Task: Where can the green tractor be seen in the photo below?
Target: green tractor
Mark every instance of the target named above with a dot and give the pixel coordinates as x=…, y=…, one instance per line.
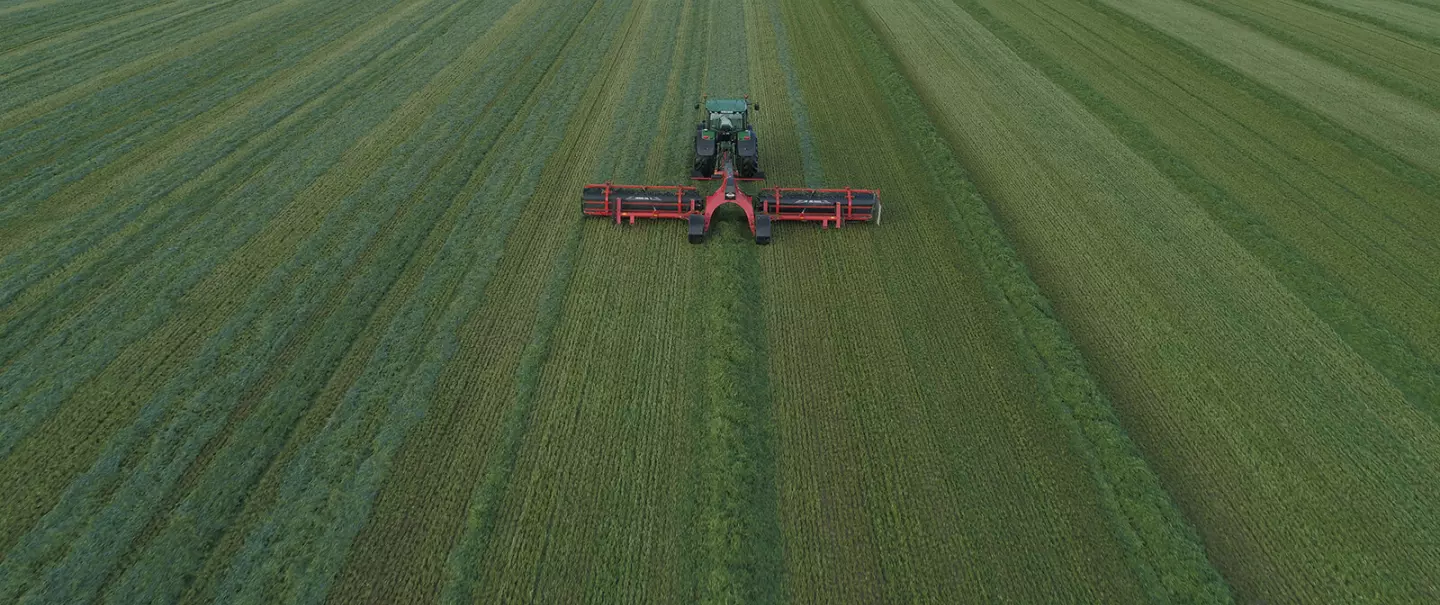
x=726, y=127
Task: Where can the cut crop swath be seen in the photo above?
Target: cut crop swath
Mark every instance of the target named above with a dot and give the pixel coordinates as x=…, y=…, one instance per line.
x=602, y=358
x=1162, y=549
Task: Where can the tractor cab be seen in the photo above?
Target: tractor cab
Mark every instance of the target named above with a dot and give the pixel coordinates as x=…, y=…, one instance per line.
x=727, y=115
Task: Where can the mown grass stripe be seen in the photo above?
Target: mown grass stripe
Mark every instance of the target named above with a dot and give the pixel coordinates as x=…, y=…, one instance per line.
x=1361, y=327
x=138, y=315
x=96, y=67
x=1431, y=5
x=29, y=213
x=1378, y=73
x=88, y=247
x=739, y=511
x=1190, y=330
x=204, y=512
x=1241, y=117
x=264, y=327
x=122, y=386
x=608, y=345
x=65, y=146
x=809, y=159
x=1160, y=546
x=93, y=252
x=1402, y=129
x=48, y=58
x=63, y=93
x=79, y=13
x=372, y=570
x=23, y=5
x=1393, y=356
x=842, y=503
x=36, y=30
x=466, y=578
x=150, y=480
x=1414, y=32
x=910, y=495
x=371, y=344
x=620, y=322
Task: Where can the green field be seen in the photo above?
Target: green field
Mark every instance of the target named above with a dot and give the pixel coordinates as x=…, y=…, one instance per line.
x=297, y=305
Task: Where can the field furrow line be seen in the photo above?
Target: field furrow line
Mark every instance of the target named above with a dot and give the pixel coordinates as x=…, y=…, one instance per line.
x=264, y=327
x=736, y=524
x=425, y=576
x=1159, y=541
x=791, y=159
x=366, y=347
x=16, y=6
x=43, y=190
x=1343, y=235
x=295, y=305
x=101, y=70
x=820, y=477
x=77, y=14
x=620, y=368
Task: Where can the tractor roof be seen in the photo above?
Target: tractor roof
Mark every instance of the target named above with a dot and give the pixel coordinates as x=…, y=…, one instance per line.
x=725, y=105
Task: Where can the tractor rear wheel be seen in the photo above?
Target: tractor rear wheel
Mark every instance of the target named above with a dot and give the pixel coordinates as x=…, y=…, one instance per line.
x=749, y=166
x=704, y=166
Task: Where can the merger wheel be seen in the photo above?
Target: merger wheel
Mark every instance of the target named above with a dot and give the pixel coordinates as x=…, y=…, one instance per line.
x=697, y=229
x=762, y=229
